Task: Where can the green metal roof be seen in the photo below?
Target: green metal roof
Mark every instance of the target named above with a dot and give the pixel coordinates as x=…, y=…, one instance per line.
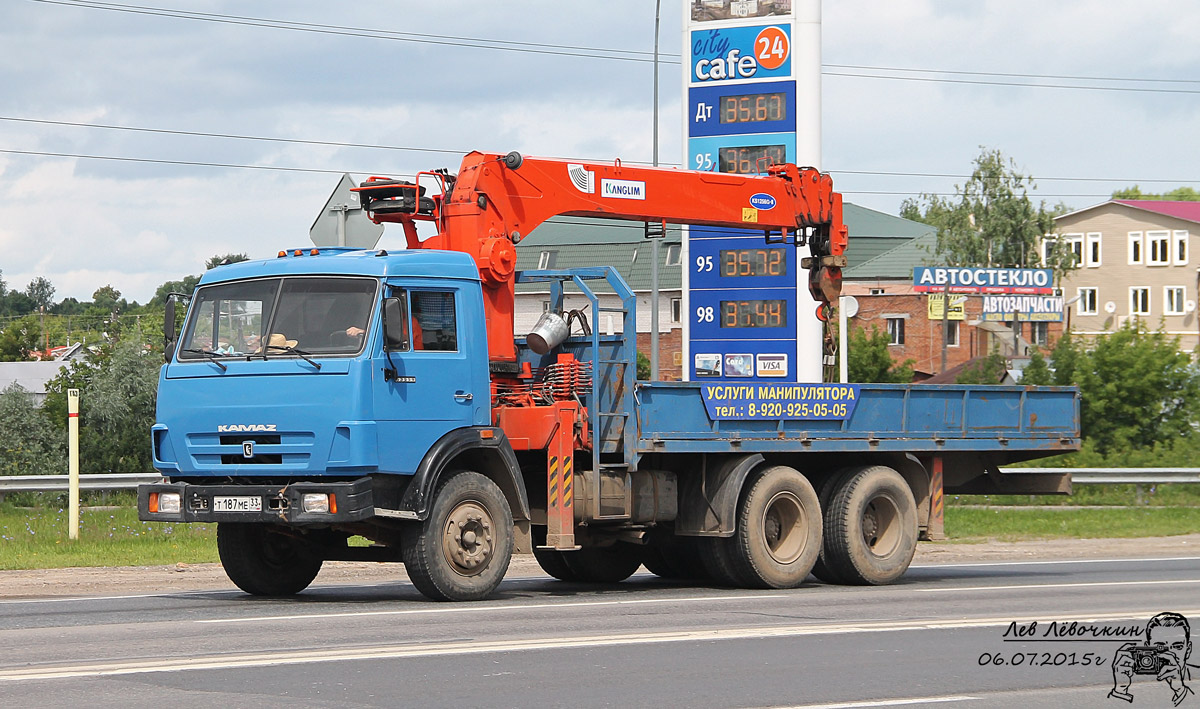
x=875, y=233
x=897, y=262
x=877, y=248
x=580, y=242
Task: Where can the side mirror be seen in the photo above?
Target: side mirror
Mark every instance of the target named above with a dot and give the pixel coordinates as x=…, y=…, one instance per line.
x=395, y=323
x=169, y=329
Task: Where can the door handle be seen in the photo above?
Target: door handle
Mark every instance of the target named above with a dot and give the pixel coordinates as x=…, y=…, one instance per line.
x=463, y=396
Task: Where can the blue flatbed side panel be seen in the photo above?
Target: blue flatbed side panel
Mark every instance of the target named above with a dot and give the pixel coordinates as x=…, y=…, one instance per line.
x=887, y=417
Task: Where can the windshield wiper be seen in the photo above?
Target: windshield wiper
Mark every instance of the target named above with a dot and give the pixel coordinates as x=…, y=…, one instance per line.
x=210, y=354
x=301, y=353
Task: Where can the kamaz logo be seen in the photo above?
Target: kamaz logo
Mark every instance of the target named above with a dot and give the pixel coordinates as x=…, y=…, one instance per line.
x=246, y=428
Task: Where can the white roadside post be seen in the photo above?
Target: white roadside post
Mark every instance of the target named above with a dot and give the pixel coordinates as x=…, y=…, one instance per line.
x=73, y=462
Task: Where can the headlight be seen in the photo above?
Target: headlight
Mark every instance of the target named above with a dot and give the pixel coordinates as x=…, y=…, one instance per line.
x=168, y=502
x=317, y=502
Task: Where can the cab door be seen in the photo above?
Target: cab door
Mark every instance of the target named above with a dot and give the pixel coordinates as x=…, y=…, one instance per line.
x=430, y=384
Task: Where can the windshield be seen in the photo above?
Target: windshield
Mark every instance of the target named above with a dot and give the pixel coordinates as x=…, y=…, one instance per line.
x=313, y=315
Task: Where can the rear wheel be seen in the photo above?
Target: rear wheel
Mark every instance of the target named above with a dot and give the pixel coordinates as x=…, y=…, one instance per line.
x=825, y=493
x=871, y=527
x=462, y=549
x=552, y=561
x=674, y=558
x=778, y=534
x=610, y=564
x=265, y=560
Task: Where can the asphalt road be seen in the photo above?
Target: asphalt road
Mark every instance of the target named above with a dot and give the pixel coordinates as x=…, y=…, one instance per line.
x=928, y=641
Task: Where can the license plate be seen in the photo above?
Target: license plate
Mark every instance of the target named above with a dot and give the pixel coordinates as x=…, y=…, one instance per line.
x=237, y=504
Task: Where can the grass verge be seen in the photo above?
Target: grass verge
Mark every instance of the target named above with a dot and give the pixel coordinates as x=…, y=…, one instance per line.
x=36, y=538
x=977, y=524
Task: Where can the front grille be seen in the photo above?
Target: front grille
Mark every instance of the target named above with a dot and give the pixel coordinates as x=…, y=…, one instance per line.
x=212, y=450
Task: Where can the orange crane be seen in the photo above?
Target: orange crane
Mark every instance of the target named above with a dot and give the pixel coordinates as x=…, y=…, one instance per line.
x=495, y=200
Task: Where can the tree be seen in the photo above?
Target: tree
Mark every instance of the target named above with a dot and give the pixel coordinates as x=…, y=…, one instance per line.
x=118, y=388
x=984, y=370
x=1179, y=194
x=41, y=292
x=20, y=339
x=29, y=444
x=1037, y=372
x=1137, y=389
x=868, y=359
x=106, y=297
x=221, y=259
x=991, y=220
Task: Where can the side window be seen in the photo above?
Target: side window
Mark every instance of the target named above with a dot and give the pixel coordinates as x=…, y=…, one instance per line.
x=435, y=325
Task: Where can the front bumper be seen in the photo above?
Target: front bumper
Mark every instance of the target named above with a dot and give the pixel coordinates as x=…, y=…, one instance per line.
x=280, y=503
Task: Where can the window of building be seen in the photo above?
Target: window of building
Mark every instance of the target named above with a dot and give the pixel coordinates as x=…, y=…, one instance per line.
x=677, y=310
x=1039, y=333
x=1093, y=250
x=952, y=333
x=1139, y=301
x=1181, y=248
x=547, y=259
x=1135, y=248
x=633, y=259
x=1173, y=300
x=1158, y=248
x=1086, y=305
x=672, y=255
x=1074, y=243
x=895, y=328
x=545, y=306
x=434, y=325
x=877, y=291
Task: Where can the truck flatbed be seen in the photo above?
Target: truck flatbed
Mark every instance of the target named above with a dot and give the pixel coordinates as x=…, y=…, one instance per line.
x=908, y=418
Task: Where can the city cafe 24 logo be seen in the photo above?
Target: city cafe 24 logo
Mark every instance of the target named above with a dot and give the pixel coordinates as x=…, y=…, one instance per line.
x=1153, y=660
x=739, y=53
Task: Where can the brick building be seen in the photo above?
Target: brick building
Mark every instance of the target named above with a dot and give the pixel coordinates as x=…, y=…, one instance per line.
x=882, y=286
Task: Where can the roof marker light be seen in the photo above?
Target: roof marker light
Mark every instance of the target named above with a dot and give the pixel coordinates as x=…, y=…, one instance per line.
x=298, y=252
x=282, y=254
x=314, y=252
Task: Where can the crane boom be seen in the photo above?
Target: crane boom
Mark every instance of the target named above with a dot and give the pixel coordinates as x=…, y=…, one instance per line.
x=496, y=200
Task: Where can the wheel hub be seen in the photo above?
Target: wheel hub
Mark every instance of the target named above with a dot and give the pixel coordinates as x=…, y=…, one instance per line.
x=881, y=526
x=468, y=538
x=784, y=529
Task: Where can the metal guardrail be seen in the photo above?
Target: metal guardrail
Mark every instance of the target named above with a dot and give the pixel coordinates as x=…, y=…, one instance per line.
x=1082, y=476
x=1120, y=476
x=58, y=483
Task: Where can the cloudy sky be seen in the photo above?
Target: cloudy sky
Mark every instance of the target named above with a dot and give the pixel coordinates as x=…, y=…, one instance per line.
x=1086, y=96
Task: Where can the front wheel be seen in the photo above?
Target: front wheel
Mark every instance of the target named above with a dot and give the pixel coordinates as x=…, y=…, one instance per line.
x=462, y=549
x=871, y=527
x=264, y=560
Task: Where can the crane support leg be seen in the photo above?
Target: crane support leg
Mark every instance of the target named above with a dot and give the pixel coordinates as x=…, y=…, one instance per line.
x=937, y=502
x=560, y=480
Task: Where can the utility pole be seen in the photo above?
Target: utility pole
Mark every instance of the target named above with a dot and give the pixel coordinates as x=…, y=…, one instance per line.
x=654, y=241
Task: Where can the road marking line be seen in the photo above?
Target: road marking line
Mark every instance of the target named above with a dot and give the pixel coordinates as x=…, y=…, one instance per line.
x=434, y=648
x=1095, y=584
x=885, y=702
x=505, y=607
x=972, y=564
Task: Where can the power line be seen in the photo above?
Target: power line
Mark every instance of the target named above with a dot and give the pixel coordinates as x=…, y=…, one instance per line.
x=187, y=163
x=375, y=146
x=1012, y=83
x=617, y=54
x=1011, y=74
x=501, y=45
x=233, y=136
